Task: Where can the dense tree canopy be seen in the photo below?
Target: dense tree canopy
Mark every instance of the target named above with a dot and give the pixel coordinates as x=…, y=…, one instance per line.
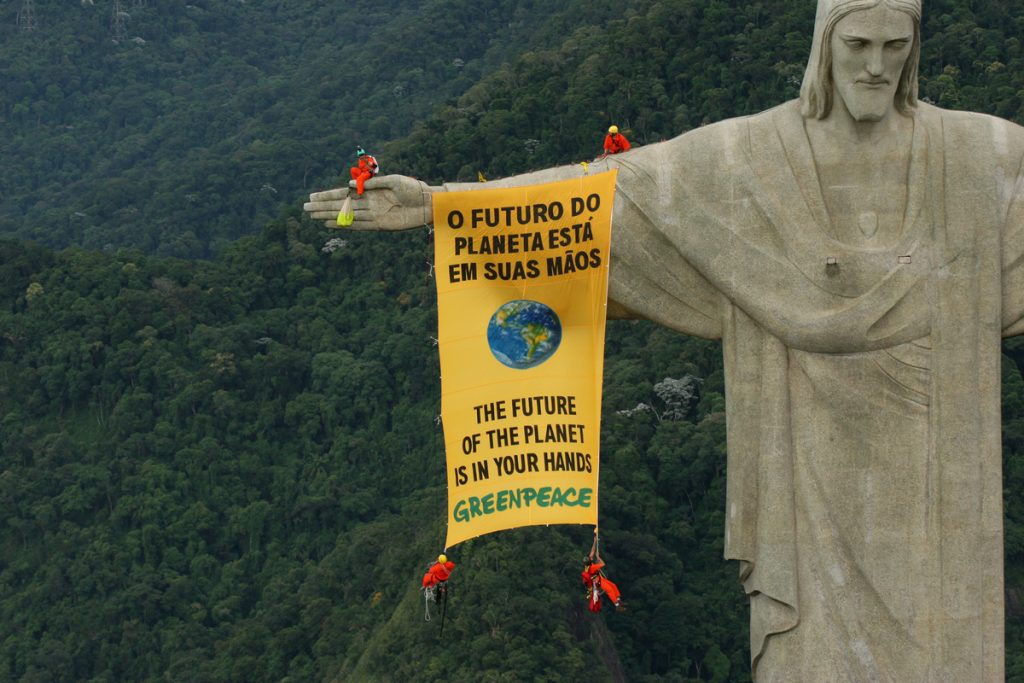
x=208, y=117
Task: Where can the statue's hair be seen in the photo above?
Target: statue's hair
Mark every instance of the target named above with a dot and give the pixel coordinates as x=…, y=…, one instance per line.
x=816, y=90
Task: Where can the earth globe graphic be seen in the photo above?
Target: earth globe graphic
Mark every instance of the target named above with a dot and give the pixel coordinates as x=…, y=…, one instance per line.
x=522, y=334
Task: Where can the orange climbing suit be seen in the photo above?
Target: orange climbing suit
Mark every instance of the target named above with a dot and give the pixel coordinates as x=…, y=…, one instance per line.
x=596, y=585
x=613, y=144
x=437, y=573
x=363, y=171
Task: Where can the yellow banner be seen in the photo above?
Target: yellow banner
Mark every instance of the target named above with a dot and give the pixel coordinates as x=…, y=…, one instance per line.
x=522, y=288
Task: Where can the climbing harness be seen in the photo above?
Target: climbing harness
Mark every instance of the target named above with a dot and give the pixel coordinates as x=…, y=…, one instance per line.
x=593, y=592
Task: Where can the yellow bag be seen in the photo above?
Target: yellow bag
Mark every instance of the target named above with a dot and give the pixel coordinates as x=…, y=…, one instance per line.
x=346, y=215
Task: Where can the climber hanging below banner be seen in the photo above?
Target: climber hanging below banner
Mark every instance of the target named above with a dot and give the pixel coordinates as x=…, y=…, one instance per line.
x=436, y=578
x=435, y=587
x=522, y=281
x=597, y=583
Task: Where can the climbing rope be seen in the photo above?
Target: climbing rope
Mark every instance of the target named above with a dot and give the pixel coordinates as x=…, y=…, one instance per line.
x=444, y=610
x=427, y=598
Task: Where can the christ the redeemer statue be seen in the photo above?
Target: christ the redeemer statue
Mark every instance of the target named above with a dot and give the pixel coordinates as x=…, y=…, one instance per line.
x=859, y=254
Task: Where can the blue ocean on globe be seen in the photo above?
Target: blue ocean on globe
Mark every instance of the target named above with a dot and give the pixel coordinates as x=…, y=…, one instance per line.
x=523, y=334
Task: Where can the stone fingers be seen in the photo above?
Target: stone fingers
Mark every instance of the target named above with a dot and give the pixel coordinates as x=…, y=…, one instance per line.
x=324, y=213
x=319, y=209
x=325, y=205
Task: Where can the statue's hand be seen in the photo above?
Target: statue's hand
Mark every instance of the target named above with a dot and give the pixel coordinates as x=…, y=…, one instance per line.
x=392, y=202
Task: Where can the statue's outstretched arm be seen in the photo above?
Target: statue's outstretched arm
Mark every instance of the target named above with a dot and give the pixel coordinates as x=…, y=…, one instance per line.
x=396, y=202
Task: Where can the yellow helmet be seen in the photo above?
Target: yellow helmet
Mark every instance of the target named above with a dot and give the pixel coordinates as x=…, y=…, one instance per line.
x=442, y=558
x=613, y=129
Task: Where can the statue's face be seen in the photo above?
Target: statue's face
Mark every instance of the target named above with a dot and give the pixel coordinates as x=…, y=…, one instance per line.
x=869, y=49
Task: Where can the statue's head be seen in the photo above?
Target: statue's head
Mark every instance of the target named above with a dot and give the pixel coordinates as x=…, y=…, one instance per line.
x=837, y=68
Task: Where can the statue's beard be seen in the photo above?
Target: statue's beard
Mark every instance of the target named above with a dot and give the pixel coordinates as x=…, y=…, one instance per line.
x=866, y=103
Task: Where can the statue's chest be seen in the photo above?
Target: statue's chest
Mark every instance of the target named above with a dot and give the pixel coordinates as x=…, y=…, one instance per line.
x=869, y=221
x=866, y=203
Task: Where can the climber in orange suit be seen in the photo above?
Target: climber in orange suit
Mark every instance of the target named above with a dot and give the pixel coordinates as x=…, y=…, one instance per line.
x=615, y=141
x=438, y=573
x=366, y=167
x=597, y=583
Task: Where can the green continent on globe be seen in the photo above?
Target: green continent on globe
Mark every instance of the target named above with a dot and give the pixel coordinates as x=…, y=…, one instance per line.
x=534, y=335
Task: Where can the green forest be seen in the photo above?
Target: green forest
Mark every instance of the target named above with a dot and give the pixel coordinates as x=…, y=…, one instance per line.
x=220, y=458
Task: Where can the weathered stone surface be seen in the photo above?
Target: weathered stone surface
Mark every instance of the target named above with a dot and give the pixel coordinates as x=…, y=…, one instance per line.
x=859, y=255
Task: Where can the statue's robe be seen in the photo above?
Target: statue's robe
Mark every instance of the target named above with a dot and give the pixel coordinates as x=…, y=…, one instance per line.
x=864, y=494
x=863, y=398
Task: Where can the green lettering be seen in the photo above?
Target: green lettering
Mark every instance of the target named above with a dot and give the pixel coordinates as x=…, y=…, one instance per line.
x=557, y=497
x=502, y=500
x=544, y=496
x=459, y=513
x=584, y=499
x=489, y=504
x=474, y=507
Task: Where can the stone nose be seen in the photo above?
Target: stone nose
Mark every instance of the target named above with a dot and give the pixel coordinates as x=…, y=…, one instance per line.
x=874, y=63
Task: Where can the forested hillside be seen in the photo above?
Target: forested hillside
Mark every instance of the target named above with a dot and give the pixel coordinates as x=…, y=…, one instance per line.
x=203, y=119
x=664, y=67
x=230, y=469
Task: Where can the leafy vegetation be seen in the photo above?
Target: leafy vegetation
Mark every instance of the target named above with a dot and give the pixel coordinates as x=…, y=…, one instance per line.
x=662, y=68
x=229, y=469
x=210, y=116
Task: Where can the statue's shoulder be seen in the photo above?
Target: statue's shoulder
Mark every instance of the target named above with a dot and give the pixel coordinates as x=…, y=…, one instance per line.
x=958, y=117
x=783, y=114
x=722, y=142
x=971, y=131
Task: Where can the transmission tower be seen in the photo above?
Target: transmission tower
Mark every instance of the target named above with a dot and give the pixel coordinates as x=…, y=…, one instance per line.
x=27, y=16
x=117, y=17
